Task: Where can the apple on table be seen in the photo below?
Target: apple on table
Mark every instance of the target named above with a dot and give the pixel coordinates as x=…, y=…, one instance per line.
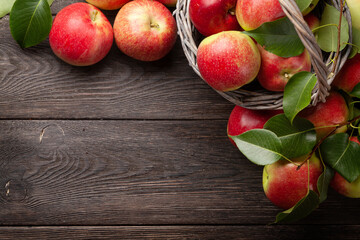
x=242, y=120
x=284, y=184
x=326, y=115
x=81, y=35
x=108, y=4
x=145, y=30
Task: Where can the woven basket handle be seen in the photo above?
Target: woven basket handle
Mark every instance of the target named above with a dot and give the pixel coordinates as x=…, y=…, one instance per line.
x=325, y=71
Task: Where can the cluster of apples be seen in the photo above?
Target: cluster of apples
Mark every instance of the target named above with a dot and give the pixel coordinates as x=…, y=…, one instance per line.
x=284, y=184
x=81, y=35
x=228, y=59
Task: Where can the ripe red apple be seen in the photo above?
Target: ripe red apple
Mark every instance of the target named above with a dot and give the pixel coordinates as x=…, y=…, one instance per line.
x=243, y=119
x=108, y=4
x=168, y=3
x=81, y=35
x=213, y=16
x=251, y=14
x=284, y=185
x=145, y=30
x=333, y=112
x=312, y=20
x=349, y=75
x=276, y=71
x=342, y=186
x=228, y=60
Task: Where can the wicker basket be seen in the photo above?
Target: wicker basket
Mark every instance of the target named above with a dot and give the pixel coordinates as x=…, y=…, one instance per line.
x=322, y=66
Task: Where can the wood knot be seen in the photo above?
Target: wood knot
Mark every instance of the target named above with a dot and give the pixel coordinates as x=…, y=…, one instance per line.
x=15, y=190
x=51, y=138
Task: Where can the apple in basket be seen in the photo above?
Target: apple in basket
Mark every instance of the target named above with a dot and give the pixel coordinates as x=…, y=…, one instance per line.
x=145, y=30
x=81, y=35
x=284, y=184
x=213, y=16
x=342, y=186
x=275, y=71
x=349, y=75
x=168, y=3
x=108, y=4
x=251, y=14
x=242, y=119
x=228, y=60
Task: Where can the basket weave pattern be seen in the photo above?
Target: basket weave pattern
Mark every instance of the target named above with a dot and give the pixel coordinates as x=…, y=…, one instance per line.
x=324, y=67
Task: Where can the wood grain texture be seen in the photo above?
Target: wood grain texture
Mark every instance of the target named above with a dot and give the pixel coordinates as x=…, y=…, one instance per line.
x=135, y=173
x=322, y=232
x=35, y=84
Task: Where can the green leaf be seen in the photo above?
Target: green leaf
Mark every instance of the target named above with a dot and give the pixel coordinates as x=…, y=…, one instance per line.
x=297, y=139
x=342, y=155
x=356, y=91
x=303, y=4
x=328, y=35
x=355, y=42
x=30, y=21
x=279, y=37
x=302, y=209
x=260, y=146
x=324, y=182
x=6, y=5
x=297, y=93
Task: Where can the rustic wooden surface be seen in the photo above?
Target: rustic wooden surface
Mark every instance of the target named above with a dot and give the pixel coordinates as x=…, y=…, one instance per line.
x=130, y=150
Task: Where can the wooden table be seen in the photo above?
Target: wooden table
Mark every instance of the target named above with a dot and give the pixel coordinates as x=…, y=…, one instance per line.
x=125, y=150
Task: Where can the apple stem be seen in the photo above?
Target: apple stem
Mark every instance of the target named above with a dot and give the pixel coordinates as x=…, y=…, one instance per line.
x=323, y=139
x=154, y=25
x=93, y=15
x=232, y=11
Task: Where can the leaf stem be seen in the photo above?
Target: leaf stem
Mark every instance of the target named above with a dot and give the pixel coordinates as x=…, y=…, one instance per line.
x=325, y=137
x=326, y=25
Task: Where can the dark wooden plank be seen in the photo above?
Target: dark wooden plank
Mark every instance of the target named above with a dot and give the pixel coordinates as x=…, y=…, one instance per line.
x=36, y=84
x=135, y=172
x=350, y=232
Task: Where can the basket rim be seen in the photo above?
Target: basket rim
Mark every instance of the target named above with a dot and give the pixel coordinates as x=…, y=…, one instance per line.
x=324, y=69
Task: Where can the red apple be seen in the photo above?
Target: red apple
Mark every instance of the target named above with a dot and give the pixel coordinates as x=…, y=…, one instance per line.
x=342, y=186
x=228, y=60
x=108, y=4
x=276, y=71
x=284, y=185
x=213, y=16
x=312, y=20
x=145, y=30
x=330, y=113
x=168, y=3
x=243, y=119
x=81, y=35
x=349, y=75
x=251, y=14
